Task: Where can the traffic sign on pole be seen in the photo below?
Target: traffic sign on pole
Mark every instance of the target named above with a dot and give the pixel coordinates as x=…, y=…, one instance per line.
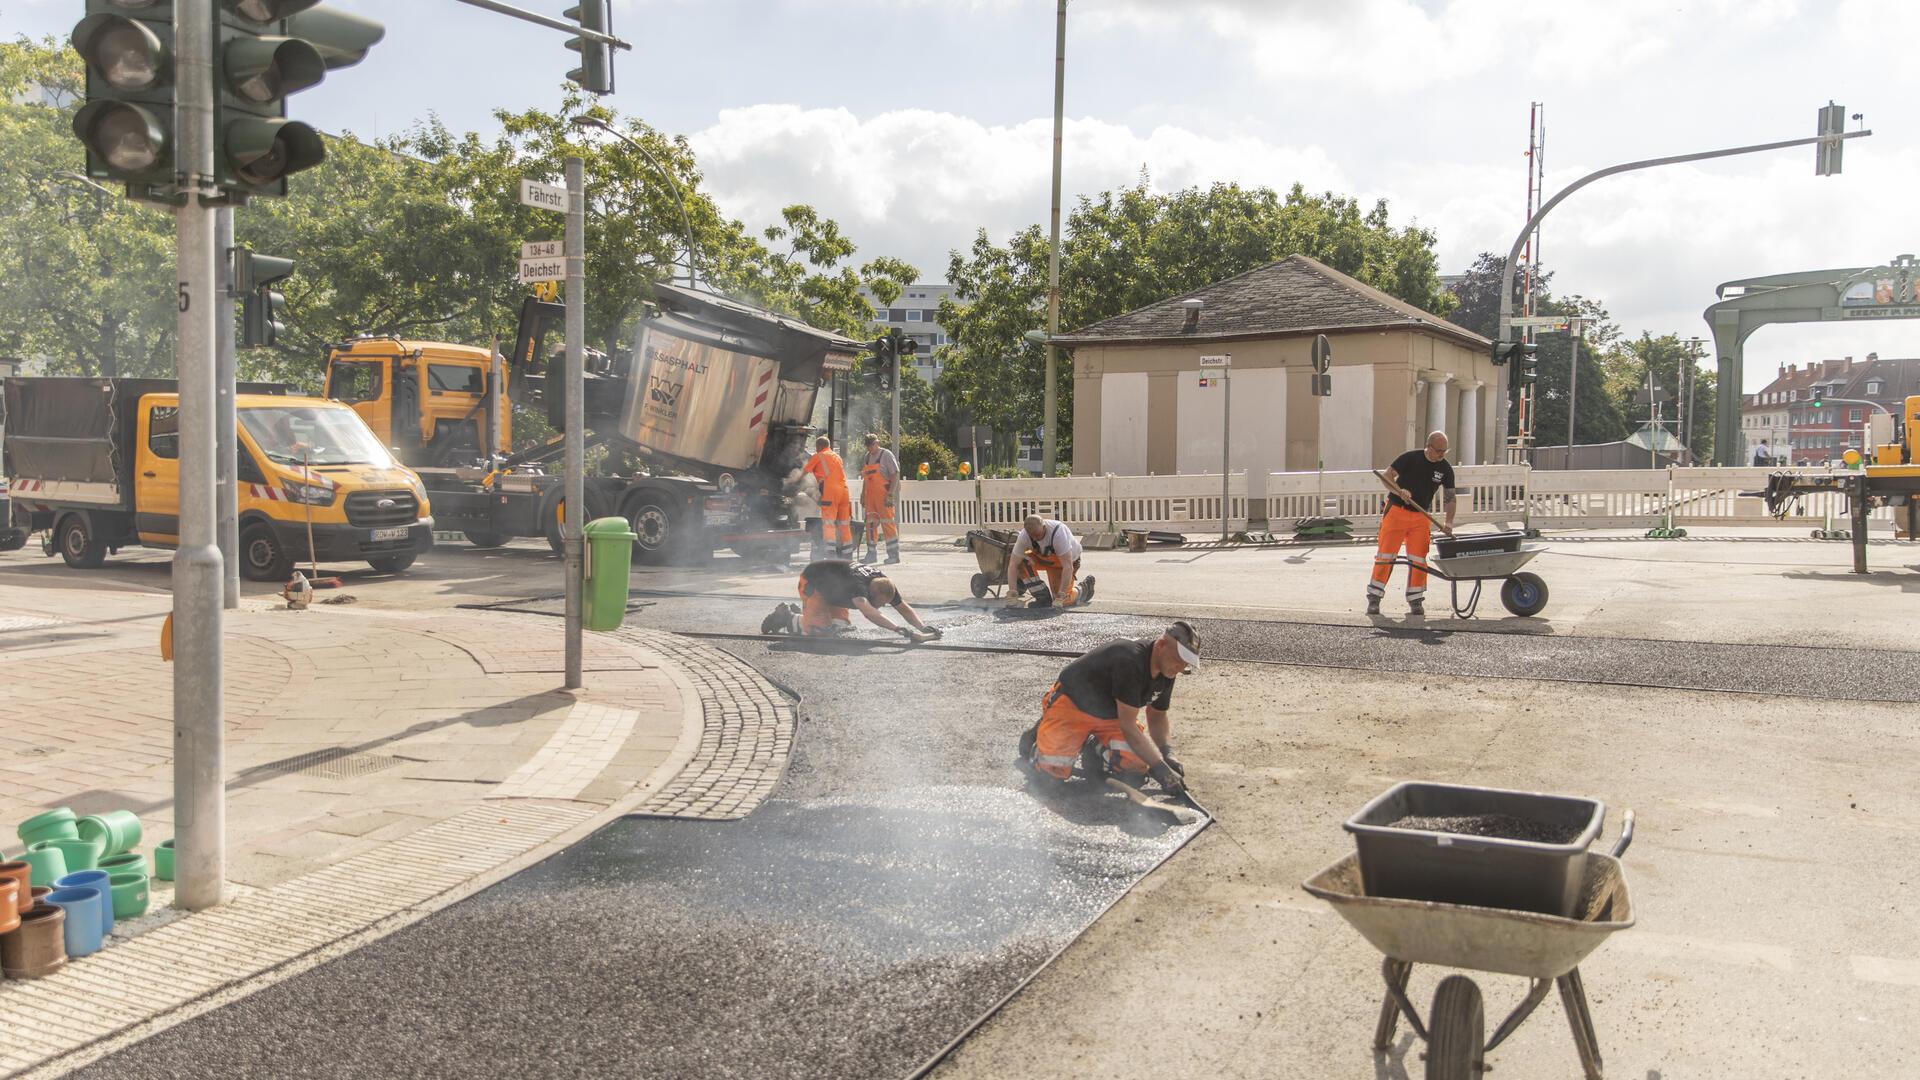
x=1222, y=360
x=543, y=196
x=543, y=249
x=542, y=269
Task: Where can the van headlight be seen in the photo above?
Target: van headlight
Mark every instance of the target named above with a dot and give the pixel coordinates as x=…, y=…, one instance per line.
x=310, y=494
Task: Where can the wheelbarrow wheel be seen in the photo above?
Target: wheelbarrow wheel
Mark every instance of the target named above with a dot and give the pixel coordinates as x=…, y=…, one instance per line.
x=979, y=586
x=1456, y=1032
x=1524, y=594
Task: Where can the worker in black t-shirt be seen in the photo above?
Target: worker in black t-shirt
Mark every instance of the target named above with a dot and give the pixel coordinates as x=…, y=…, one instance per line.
x=1413, y=479
x=829, y=587
x=1092, y=714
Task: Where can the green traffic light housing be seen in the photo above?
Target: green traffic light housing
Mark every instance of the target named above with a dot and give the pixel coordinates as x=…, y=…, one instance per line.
x=595, y=73
x=127, y=54
x=126, y=122
x=261, y=307
x=261, y=69
x=268, y=50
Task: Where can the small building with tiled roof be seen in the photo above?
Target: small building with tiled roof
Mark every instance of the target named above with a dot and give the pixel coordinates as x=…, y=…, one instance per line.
x=1143, y=405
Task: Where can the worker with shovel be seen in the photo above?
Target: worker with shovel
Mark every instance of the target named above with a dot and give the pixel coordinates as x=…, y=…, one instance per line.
x=829, y=587
x=1051, y=546
x=1413, y=480
x=1092, y=715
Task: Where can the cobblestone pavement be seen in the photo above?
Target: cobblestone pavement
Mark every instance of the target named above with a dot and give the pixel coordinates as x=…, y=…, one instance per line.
x=746, y=739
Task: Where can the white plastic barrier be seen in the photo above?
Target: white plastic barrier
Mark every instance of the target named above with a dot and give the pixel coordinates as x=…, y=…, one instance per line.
x=1082, y=502
x=1487, y=493
x=1185, y=504
x=939, y=507
x=1597, y=498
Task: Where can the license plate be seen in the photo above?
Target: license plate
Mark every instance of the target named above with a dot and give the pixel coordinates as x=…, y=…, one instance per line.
x=399, y=533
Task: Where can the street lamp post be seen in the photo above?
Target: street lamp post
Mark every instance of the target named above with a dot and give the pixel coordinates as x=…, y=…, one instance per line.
x=686, y=222
x=1049, y=441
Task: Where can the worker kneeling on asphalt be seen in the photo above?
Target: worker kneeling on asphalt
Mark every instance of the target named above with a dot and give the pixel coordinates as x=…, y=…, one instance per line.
x=1091, y=717
x=1050, y=546
x=829, y=587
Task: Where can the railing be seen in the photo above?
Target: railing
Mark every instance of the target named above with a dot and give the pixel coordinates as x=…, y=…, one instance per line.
x=1547, y=499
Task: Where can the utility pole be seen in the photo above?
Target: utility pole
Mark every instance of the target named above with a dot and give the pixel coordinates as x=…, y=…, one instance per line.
x=226, y=419
x=576, y=411
x=199, y=727
x=1575, y=330
x=1049, y=441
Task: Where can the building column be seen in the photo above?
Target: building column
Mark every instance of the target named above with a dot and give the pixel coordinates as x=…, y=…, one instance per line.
x=1469, y=440
x=1436, y=402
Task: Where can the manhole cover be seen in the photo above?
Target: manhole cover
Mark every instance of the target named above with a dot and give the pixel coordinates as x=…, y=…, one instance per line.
x=336, y=763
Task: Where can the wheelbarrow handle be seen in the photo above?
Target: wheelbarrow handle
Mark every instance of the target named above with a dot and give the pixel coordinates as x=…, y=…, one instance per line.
x=1626, y=835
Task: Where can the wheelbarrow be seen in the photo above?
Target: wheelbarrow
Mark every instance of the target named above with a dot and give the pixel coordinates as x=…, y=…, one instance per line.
x=1479, y=558
x=1546, y=949
x=991, y=549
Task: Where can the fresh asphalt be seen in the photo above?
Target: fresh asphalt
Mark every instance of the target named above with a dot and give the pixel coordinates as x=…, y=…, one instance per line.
x=901, y=881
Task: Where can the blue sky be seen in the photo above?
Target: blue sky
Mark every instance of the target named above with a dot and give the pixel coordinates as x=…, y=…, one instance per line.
x=916, y=122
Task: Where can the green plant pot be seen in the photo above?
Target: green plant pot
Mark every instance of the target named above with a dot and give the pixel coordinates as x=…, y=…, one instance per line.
x=163, y=861
x=130, y=862
x=81, y=854
x=49, y=863
x=129, y=895
x=117, y=830
x=52, y=825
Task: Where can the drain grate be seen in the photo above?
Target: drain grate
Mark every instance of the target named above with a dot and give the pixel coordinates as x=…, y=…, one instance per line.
x=336, y=763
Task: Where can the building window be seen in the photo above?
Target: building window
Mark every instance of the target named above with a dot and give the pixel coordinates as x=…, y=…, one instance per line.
x=880, y=315
x=896, y=314
x=1793, y=395
x=1853, y=416
x=913, y=315
x=1873, y=388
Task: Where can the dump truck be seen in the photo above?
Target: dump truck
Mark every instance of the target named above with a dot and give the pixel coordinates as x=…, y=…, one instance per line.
x=96, y=464
x=703, y=417
x=1889, y=476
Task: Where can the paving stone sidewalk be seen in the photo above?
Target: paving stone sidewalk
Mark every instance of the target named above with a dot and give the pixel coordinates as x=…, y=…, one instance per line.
x=355, y=737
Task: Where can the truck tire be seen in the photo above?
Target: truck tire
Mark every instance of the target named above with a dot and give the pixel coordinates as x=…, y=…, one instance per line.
x=554, y=505
x=77, y=545
x=262, y=556
x=391, y=564
x=485, y=538
x=659, y=523
x=13, y=539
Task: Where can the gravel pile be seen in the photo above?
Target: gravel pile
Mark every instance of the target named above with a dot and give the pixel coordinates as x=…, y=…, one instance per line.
x=1503, y=826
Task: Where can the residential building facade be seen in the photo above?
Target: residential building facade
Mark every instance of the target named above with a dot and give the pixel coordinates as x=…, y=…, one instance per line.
x=1805, y=432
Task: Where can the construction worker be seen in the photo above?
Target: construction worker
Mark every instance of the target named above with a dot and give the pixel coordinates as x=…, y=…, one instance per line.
x=828, y=588
x=1091, y=716
x=1049, y=545
x=1413, y=479
x=836, y=506
x=879, y=494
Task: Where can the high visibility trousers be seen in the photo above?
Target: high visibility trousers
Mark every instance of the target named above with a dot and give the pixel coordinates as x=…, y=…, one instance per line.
x=877, y=507
x=836, y=520
x=816, y=614
x=1411, y=528
x=1064, y=730
x=1059, y=574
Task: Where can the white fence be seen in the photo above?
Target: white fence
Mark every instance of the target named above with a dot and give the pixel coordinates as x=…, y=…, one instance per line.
x=1581, y=499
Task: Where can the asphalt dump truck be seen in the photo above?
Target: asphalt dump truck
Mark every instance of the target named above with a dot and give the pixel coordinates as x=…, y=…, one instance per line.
x=95, y=463
x=702, y=419
x=1889, y=476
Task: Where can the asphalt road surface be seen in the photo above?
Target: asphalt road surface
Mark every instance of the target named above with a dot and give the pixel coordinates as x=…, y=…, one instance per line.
x=900, y=883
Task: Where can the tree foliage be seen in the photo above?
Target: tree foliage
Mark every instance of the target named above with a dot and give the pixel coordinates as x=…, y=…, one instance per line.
x=1124, y=249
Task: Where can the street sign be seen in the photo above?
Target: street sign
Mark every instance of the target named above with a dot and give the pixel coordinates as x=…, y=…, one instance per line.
x=1222, y=360
x=542, y=196
x=1321, y=385
x=1322, y=353
x=1556, y=323
x=542, y=249
x=542, y=269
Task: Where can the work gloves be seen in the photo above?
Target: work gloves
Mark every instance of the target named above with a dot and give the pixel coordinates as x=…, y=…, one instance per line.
x=1169, y=781
x=1168, y=757
x=915, y=636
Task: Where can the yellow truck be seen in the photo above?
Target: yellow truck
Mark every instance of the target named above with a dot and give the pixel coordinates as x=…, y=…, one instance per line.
x=95, y=463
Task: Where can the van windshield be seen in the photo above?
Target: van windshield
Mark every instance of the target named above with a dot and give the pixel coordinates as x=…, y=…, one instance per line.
x=293, y=435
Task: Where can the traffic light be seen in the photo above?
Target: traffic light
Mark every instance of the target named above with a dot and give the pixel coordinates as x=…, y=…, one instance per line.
x=267, y=50
x=1529, y=361
x=595, y=73
x=260, y=306
x=1819, y=392
x=127, y=121
x=885, y=358
x=1833, y=121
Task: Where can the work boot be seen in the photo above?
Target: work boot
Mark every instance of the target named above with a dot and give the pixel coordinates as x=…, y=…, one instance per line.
x=1028, y=740
x=872, y=557
x=893, y=552
x=780, y=621
x=1417, y=607
x=1373, y=605
x=1093, y=763
x=1086, y=591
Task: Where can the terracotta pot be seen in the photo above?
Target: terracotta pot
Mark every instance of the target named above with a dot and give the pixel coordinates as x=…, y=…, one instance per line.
x=9, y=905
x=38, y=948
x=22, y=873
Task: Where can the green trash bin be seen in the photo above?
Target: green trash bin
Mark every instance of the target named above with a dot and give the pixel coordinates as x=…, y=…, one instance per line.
x=609, y=559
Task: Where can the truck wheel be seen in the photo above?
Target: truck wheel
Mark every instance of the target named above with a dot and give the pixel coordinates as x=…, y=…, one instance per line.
x=1457, y=1031
x=553, y=509
x=13, y=539
x=78, y=546
x=262, y=556
x=391, y=564
x=655, y=520
x=485, y=538
x=1524, y=594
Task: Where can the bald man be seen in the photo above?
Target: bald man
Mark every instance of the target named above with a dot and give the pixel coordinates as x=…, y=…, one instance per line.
x=1413, y=480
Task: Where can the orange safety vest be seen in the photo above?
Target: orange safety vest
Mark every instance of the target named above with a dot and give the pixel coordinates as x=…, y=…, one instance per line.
x=826, y=465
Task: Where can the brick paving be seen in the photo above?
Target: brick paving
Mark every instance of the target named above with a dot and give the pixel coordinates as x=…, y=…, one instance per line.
x=746, y=740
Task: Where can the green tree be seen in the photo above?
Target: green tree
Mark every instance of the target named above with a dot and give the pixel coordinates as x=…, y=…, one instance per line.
x=1124, y=249
x=1665, y=357
x=89, y=273
x=914, y=449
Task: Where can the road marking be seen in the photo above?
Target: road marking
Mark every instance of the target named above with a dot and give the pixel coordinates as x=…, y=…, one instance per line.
x=1881, y=969
x=1675, y=947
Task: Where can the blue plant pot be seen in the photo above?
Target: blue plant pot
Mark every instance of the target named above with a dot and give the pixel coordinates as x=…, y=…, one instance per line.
x=101, y=882
x=85, y=928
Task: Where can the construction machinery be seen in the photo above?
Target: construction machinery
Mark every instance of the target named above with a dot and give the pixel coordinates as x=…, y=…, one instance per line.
x=701, y=417
x=1888, y=476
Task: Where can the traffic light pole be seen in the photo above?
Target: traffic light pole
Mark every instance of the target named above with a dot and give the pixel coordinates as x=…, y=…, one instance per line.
x=576, y=412
x=226, y=419
x=199, y=806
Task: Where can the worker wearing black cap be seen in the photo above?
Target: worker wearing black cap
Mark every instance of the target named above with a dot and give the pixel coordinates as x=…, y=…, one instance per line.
x=1092, y=715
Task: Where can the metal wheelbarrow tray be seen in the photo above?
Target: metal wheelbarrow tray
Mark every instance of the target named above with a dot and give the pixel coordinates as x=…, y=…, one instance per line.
x=991, y=549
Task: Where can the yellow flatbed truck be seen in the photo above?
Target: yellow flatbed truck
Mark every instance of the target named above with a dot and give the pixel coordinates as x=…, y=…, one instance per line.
x=1890, y=476
x=95, y=463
